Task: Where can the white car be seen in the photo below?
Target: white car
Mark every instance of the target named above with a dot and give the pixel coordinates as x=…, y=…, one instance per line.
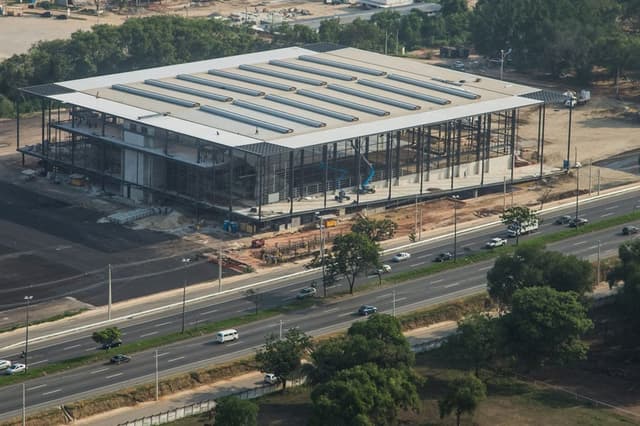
x=16, y=368
x=401, y=257
x=496, y=242
x=4, y=364
x=384, y=269
x=271, y=378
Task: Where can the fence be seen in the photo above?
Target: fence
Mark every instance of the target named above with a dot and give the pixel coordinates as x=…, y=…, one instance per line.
x=208, y=405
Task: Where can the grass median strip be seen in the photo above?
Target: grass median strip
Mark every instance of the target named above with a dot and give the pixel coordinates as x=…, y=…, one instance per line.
x=154, y=342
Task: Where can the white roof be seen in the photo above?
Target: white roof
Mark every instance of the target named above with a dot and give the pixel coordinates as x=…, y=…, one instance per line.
x=97, y=93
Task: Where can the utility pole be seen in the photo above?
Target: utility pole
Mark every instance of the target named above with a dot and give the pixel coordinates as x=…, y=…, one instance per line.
x=590, y=185
x=598, y=183
x=26, y=337
x=280, y=329
x=219, y=269
x=598, y=265
x=185, y=262
x=393, y=293
x=577, y=193
x=322, y=259
x=455, y=227
x=109, y=306
x=420, y=228
x=24, y=405
x=504, y=194
x=157, y=384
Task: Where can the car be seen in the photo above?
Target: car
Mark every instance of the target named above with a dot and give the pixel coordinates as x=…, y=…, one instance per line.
x=576, y=222
x=496, y=242
x=62, y=17
x=458, y=65
x=120, y=358
x=443, y=257
x=4, y=364
x=563, y=220
x=46, y=14
x=16, y=368
x=628, y=230
x=114, y=344
x=400, y=257
x=306, y=292
x=366, y=310
x=271, y=378
x=383, y=269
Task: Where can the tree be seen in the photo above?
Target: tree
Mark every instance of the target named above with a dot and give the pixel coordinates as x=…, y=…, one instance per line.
x=476, y=341
x=107, y=336
x=254, y=297
x=626, y=275
x=283, y=357
x=364, y=395
x=545, y=326
x=379, y=341
x=375, y=230
x=464, y=395
x=352, y=254
x=233, y=411
x=518, y=215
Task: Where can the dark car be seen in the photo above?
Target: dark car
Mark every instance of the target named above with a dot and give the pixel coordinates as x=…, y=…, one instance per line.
x=367, y=310
x=563, y=220
x=46, y=14
x=62, y=17
x=580, y=221
x=628, y=230
x=443, y=257
x=113, y=344
x=119, y=359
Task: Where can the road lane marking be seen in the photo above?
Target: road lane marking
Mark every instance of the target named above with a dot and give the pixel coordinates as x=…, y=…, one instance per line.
x=452, y=284
x=485, y=268
x=423, y=256
x=149, y=334
x=419, y=263
x=345, y=314
x=208, y=312
x=330, y=310
x=400, y=299
x=71, y=347
x=437, y=281
x=36, y=387
x=100, y=370
x=113, y=375
x=90, y=349
x=232, y=344
x=175, y=359
x=38, y=362
x=580, y=243
x=611, y=207
x=163, y=354
x=382, y=296
x=50, y=392
x=607, y=214
x=163, y=323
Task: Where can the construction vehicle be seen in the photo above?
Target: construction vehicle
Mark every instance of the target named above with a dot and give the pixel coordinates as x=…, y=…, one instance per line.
x=574, y=99
x=365, y=187
x=342, y=174
x=342, y=196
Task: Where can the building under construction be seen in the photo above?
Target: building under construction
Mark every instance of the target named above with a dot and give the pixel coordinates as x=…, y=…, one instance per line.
x=269, y=139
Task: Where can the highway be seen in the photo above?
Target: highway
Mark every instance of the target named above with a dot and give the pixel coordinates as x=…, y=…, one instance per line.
x=323, y=317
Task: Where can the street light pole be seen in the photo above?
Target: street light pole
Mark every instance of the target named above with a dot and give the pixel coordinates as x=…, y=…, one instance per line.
x=455, y=227
x=185, y=262
x=26, y=337
x=598, y=265
x=157, y=384
x=322, y=259
x=219, y=269
x=393, y=293
x=109, y=305
x=577, y=192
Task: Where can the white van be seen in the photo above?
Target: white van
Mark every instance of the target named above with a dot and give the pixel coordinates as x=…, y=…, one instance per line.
x=226, y=335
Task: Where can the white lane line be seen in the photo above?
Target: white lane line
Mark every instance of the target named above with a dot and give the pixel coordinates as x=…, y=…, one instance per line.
x=232, y=344
x=38, y=362
x=285, y=299
x=452, y=284
x=100, y=370
x=423, y=256
x=330, y=310
x=383, y=296
x=36, y=387
x=175, y=359
x=50, y=392
x=208, y=312
x=485, y=268
x=71, y=347
x=149, y=334
x=163, y=324
x=90, y=349
x=113, y=375
x=163, y=354
x=416, y=264
x=400, y=299
x=437, y=281
x=612, y=207
x=579, y=243
x=607, y=214
x=345, y=314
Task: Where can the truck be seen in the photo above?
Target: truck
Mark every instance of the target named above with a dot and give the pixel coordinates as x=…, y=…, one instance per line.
x=516, y=228
x=574, y=99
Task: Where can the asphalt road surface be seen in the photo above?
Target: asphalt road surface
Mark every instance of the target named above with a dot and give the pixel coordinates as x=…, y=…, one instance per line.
x=323, y=317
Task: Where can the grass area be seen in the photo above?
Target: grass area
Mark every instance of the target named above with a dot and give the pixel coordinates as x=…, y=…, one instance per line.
x=57, y=317
x=154, y=342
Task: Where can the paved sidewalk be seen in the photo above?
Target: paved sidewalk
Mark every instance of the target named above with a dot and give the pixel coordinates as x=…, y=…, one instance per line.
x=416, y=337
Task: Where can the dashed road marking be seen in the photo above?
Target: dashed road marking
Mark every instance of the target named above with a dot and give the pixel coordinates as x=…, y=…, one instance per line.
x=38, y=362
x=163, y=324
x=71, y=347
x=175, y=359
x=607, y=214
x=36, y=387
x=149, y=334
x=437, y=281
x=100, y=370
x=209, y=312
x=579, y=243
x=50, y=392
x=114, y=375
x=452, y=284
